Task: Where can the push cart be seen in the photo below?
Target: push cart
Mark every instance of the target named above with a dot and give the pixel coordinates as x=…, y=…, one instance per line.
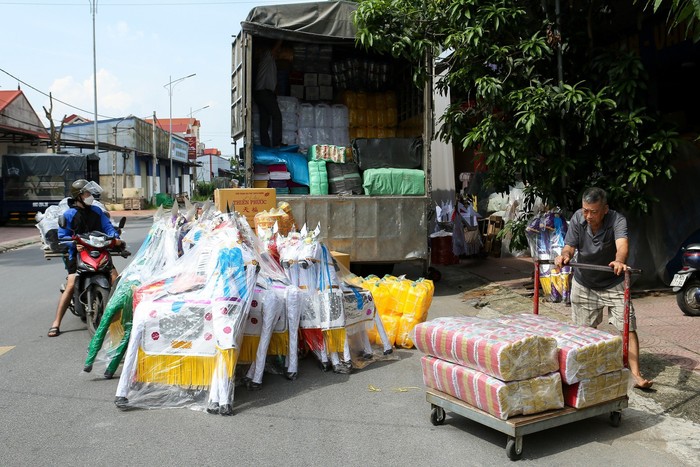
x=517, y=427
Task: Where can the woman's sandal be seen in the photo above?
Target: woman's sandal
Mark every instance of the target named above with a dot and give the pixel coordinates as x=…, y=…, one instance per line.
x=54, y=331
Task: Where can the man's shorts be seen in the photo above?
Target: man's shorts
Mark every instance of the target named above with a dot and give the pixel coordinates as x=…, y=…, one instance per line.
x=587, y=306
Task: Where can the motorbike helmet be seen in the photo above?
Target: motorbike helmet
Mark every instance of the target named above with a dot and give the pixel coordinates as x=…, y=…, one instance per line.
x=81, y=186
x=77, y=188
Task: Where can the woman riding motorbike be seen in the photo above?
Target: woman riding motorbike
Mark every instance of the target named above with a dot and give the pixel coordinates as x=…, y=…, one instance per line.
x=81, y=217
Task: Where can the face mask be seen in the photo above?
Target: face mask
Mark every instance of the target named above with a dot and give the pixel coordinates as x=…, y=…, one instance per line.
x=88, y=201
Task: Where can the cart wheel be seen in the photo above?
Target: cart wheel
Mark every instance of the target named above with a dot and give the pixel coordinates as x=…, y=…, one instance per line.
x=615, y=418
x=514, y=448
x=434, y=275
x=437, y=416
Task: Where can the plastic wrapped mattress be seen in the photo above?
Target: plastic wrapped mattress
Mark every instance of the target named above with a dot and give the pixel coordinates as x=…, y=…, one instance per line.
x=598, y=389
x=584, y=352
x=503, y=351
x=500, y=399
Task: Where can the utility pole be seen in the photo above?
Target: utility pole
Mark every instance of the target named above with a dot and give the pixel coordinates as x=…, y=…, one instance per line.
x=155, y=160
x=169, y=86
x=93, y=8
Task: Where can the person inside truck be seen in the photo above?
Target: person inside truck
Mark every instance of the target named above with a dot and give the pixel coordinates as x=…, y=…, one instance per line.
x=81, y=217
x=265, y=93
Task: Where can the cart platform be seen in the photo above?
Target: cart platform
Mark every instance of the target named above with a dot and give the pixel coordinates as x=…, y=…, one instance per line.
x=518, y=426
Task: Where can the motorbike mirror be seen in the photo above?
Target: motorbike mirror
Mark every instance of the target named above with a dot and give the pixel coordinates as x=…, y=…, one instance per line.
x=122, y=221
x=62, y=221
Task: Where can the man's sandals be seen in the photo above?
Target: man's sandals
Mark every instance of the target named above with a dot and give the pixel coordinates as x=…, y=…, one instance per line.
x=54, y=331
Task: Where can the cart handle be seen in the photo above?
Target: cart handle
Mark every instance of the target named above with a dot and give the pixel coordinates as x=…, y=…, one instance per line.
x=596, y=267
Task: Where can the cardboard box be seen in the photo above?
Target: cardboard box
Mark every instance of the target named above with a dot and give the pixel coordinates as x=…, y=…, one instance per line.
x=342, y=258
x=132, y=192
x=325, y=79
x=310, y=79
x=131, y=204
x=325, y=93
x=247, y=201
x=296, y=90
x=312, y=93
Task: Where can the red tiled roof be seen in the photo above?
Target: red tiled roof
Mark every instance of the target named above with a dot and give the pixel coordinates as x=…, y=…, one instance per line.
x=180, y=125
x=6, y=97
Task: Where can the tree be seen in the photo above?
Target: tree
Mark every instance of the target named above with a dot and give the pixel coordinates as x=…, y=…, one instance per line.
x=681, y=13
x=54, y=135
x=558, y=112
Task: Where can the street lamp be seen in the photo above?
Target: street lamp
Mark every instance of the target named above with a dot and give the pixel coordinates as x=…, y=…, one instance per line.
x=196, y=150
x=169, y=86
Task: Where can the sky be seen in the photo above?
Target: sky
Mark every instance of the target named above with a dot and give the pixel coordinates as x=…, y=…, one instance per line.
x=140, y=46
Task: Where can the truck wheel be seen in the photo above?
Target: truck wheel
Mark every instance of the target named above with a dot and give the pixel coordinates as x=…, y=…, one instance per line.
x=687, y=297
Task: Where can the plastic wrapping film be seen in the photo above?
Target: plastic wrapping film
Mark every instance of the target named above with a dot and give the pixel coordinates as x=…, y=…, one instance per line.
x=584, y=352
x=498, y=398
x=545, y=233
x=503, y=351
x=187, y=327
x=158, y=252
x=208, y=294
x=401, y=304
x=598, y=389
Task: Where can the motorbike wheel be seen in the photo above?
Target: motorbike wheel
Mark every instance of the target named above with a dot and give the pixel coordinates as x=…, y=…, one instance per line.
x=686, y=297
x=97, y=300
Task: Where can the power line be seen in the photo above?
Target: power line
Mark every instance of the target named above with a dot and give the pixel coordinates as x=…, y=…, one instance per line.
x=49, y=96
x=186, y=3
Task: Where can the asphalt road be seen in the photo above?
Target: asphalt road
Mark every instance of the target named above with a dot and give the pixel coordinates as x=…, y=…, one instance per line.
x=53, y=414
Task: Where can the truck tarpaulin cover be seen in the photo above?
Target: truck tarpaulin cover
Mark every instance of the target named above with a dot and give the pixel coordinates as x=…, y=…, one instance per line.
x=303, y=21
x=33, y=176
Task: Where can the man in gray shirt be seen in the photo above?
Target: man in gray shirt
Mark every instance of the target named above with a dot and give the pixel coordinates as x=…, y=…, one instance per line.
x=265, y=96
x=599, y=234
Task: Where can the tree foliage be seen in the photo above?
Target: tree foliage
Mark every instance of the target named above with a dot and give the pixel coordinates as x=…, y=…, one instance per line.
x=556, y=133
x=681, y=13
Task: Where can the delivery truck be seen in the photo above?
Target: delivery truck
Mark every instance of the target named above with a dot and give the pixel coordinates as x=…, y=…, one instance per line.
x=321, y=65
x=30, y=183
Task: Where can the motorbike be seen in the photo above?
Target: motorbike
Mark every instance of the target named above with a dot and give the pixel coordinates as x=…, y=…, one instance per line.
x=93, y=275
x=686, y=282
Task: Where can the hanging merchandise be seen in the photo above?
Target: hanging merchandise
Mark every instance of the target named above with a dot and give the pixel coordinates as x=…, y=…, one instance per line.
x=545, y=233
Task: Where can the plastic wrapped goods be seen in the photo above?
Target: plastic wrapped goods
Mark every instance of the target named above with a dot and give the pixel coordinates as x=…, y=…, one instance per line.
x=328, y=152
x=402, y=182
x=499, y=350
x=318, y=178
x=500, y=399
x=344, y=179
x=414, y=310
x=339, y=114
x=601, y=388
x=323, y=116
x=307, y=116
x=188, y=325
x=584, y=352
